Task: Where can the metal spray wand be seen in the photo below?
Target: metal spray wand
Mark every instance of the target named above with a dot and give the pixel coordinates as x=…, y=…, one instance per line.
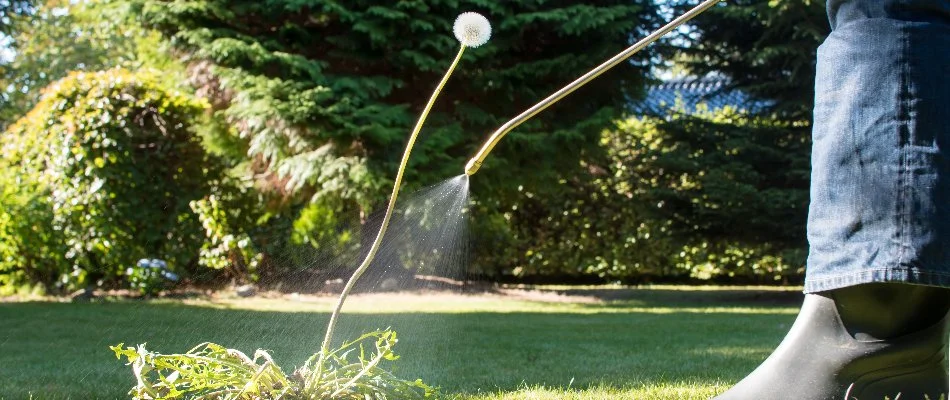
x=476, y=161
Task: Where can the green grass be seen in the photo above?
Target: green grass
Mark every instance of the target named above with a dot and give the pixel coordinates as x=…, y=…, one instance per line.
x=665, y=343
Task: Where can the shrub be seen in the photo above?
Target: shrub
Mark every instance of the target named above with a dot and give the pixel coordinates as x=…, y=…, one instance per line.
x=31, y=254
x=711, y=195
x=223, y=248
x=113, y=156
x=732, y=187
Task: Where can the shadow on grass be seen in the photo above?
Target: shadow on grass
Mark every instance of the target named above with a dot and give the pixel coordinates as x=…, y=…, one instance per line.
x=55, y=350
x=672, y=297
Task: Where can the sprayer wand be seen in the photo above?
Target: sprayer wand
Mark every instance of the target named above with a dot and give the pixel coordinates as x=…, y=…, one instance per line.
x=476, y=161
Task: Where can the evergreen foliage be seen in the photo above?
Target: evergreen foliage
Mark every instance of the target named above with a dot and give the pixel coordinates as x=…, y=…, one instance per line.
x=321, y=95
x=324, y=92
x=766, y=48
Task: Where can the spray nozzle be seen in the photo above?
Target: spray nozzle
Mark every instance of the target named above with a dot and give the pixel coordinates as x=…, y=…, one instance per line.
x=472, y=166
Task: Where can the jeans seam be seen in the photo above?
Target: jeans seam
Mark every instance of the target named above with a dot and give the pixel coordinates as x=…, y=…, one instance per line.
x=903, y=141
x=880, y=275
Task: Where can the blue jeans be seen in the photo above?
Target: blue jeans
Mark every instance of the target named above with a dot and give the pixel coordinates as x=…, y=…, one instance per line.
x=880, y=188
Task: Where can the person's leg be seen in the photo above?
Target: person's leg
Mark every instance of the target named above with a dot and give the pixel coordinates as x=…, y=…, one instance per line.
x=875, y=319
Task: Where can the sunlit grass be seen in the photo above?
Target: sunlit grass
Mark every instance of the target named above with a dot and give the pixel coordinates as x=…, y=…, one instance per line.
x=676, y=390
x=690, y=288
x=649, y=344
x=460, y=304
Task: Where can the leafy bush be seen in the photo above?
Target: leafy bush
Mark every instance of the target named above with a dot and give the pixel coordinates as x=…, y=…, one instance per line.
x=32, y=256
x=710, y=195
x=211, y=371
x=733, y=188
x=113, y=158
x=223, y=248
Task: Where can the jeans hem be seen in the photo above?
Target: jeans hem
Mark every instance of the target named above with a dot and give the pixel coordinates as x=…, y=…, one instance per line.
x=897, y=275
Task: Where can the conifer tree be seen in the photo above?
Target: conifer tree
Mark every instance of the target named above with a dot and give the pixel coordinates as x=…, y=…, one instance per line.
x=765, y=48
x=322, y=93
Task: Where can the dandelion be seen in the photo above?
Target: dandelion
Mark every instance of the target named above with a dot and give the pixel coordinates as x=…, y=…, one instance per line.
x=472, y=29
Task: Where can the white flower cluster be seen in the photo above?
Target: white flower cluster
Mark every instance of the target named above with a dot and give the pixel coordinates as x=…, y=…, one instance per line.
x=472, y=29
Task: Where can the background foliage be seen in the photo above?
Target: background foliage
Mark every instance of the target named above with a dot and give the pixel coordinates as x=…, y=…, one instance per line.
x=55, y=37
x=765, y=48
x=698, y=195
x=109, y=162
x=275, y=128
x=321, y=95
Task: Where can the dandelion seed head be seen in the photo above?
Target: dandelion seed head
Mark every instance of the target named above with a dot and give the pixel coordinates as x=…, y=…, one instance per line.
x=472, y=29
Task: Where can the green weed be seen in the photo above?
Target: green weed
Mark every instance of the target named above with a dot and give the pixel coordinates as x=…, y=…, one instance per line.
x=211, y=371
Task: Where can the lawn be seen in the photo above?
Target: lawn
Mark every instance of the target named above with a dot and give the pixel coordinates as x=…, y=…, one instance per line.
x=592, y=343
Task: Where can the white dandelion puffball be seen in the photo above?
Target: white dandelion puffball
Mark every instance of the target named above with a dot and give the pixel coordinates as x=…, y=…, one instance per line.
x=472, y=29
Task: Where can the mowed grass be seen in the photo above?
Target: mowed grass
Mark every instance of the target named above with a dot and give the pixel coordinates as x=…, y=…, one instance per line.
x=667, y=343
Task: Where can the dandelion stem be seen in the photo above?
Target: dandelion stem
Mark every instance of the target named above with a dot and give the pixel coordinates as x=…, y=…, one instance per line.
x=324, y=348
